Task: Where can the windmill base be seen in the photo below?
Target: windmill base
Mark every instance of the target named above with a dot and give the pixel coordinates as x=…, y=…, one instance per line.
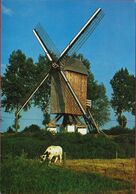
x=67, y=123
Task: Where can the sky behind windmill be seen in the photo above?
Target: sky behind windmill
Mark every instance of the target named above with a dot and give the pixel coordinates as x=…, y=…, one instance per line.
x=110, y=47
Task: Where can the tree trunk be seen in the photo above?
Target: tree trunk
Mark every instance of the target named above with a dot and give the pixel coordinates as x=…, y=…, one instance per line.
x=16, y=121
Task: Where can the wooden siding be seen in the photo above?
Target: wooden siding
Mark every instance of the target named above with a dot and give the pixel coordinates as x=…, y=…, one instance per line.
x=79, y=84
x=62, y=100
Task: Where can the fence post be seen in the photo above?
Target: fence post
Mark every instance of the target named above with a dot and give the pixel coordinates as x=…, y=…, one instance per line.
x=64, y=159
x=116, y=154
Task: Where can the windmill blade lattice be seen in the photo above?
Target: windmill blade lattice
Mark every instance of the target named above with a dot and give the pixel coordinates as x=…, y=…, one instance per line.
x=82, y=39
x=83, y=34
x=54, y=52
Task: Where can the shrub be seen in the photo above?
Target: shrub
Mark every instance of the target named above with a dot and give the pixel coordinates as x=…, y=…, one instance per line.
x=117, y=130
x=75, y=145
x=32, y=129
x=127, y=143
x=10, y=130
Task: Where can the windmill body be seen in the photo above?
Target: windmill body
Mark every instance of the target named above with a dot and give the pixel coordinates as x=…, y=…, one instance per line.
x=62, y=101
x=68, y=77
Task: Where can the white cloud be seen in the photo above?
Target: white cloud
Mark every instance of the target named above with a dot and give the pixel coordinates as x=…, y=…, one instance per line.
x=7, y=11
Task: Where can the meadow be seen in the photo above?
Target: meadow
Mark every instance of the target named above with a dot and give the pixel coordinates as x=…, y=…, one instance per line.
x=21, y=175
x=91, y=165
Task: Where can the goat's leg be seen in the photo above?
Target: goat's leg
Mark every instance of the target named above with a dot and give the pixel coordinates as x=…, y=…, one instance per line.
x=56, y=159
x=60, y=156
x=50, y=159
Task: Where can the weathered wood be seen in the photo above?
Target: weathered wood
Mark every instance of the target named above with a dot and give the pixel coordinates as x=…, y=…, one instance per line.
x=79, y=84
x=62, y=100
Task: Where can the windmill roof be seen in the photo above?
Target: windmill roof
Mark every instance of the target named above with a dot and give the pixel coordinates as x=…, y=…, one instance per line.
x=75, y=65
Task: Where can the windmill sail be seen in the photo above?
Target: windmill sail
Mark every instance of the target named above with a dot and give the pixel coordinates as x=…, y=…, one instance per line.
x=83, y=34
x=86, y=34
x=48, y=43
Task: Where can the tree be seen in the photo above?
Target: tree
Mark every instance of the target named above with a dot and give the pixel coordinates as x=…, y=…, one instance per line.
x=17, y=81
x=42, y=96
x=46, y=119
x=97, y=94
x=122, y=121
x=123, y=97
x=32, y=129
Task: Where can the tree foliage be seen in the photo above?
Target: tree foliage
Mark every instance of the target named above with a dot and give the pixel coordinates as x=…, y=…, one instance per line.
x=46, y=119
x=17, y=82
x=123, y=96
x=41, y=97
x=122, y=121
x=97, y=94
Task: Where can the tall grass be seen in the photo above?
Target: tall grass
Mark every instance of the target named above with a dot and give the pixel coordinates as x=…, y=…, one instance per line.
x=20, y=175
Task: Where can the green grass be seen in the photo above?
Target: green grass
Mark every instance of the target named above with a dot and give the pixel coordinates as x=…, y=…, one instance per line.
x=22, y=176
x=27, y=176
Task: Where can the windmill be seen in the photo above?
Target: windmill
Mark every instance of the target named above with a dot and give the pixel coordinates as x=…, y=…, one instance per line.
x=68, y=76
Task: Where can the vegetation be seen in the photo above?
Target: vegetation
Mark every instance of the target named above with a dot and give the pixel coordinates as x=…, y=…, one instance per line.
x=16, y=83
x=21, y=171
x=121, y=169
x=42, y=96
x=34, y=142
x=123, y=96
x=122, y=121
x=117, y=130
x=20, y=175
x=32, y=129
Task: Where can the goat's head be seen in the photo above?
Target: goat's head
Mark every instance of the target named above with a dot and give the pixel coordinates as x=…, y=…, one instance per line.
x=44, y=156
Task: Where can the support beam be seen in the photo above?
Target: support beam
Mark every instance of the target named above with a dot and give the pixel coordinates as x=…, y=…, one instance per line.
x=45, y=78
x=96, y=126
x=57, y=118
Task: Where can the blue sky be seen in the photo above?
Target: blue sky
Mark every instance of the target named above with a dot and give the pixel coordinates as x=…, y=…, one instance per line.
x=110, y=47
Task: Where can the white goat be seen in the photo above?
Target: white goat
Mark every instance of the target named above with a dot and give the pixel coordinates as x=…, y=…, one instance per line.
x=52, y=152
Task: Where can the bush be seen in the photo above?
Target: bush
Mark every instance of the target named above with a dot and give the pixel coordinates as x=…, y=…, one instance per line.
x=75, y=145
x=117, y=130
x=10, y=130
x=15, y=145
x=32, y=129
x=127, y=143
